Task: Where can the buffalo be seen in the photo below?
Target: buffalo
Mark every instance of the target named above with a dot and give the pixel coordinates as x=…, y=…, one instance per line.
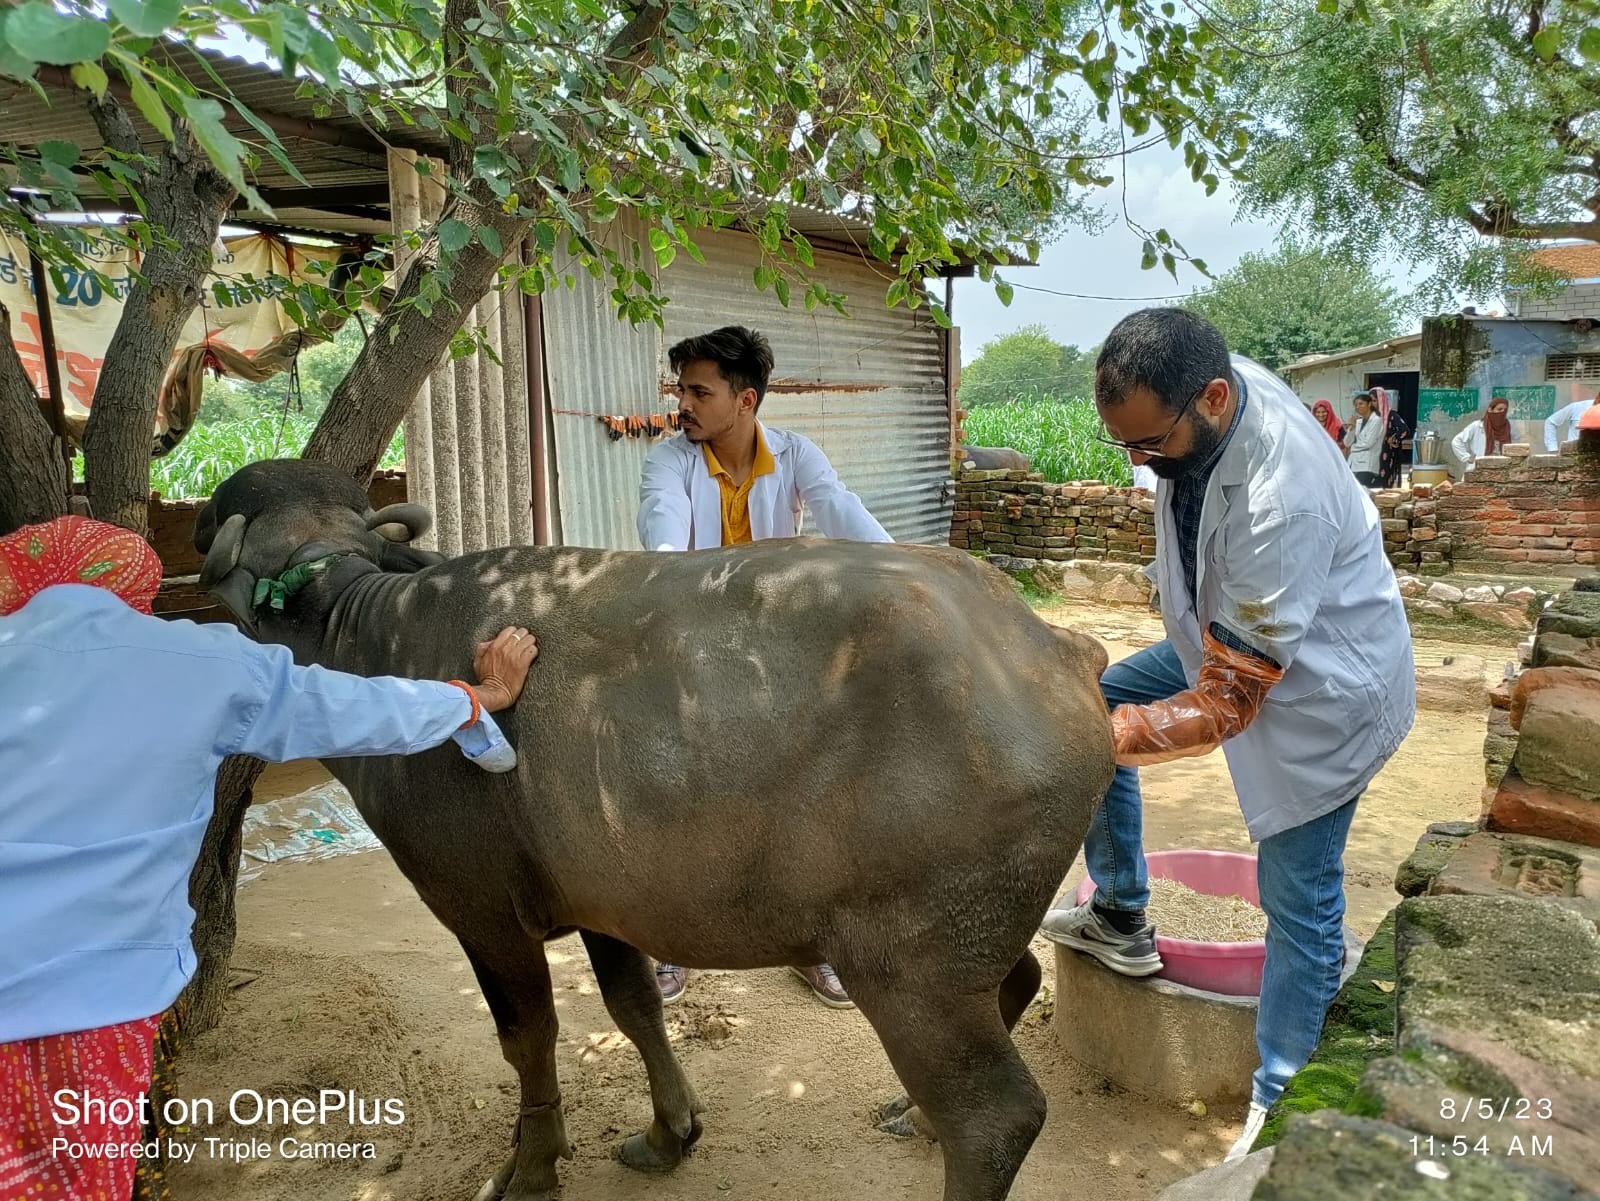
x=784, y=753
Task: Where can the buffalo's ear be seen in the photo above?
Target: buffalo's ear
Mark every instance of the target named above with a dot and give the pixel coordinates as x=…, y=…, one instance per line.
x=237, y=592
x=399, y=557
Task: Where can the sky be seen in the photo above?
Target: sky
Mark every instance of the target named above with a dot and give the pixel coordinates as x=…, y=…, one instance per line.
x=1160, y=195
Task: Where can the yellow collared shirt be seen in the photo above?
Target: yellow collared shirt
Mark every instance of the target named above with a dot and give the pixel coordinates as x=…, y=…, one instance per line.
x=736, y=497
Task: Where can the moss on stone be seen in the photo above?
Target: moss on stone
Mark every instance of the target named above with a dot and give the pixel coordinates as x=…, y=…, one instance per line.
x=1359, y=1029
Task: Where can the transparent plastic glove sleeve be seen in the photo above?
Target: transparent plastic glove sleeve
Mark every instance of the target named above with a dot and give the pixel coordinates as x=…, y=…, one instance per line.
x=1224, y=700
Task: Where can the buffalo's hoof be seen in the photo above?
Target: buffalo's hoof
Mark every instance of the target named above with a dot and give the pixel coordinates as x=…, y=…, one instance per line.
x=903, y=1120
x=658, y=1152
x=500, y=1187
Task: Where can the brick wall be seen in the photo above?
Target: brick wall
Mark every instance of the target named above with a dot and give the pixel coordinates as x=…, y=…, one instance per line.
x=1015, y=513
x=1574, y=300
x=1517, y=515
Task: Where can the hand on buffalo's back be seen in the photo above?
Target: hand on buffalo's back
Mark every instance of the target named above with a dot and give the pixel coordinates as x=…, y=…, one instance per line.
x=502, y=666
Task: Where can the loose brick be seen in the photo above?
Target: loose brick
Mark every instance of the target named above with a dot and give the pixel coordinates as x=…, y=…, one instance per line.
x=1523, y=808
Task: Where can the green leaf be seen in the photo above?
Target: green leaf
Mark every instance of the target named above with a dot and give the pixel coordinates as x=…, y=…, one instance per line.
x=780, y=286
x=1547, y=42
x=146, y=18
x=590, y=9
x=802, y=250
x=544, y=237
x=1004, y=291
x=37, y=32
x=1589, y=43
x=454, y=235
x=62, y=154
x=490, y=237
x=764, y=276
x=148, y=103
x=225, y=151
x=868, y=141
x=896, y=293
x=92, y=78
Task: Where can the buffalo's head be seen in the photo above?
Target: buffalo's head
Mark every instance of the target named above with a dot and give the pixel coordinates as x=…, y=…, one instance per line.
x=269, y=517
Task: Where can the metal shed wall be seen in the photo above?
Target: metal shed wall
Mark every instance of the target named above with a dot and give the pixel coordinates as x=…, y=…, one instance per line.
x=596, y=364
x=868, y=388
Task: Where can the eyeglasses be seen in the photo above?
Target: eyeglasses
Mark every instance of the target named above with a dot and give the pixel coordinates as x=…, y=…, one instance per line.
x=1152, y=448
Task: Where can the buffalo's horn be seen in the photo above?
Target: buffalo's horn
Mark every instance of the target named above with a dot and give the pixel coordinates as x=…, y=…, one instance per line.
x=413, y=519
x=223, y=555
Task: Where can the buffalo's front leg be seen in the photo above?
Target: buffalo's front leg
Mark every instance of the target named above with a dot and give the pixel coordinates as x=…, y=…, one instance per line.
x=628, y=984
x=516, y=984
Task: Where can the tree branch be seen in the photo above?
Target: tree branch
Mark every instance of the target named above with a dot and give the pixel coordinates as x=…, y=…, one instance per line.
x=405, y=345
x=1495, y=220
x=185, y=199
x=34, y=485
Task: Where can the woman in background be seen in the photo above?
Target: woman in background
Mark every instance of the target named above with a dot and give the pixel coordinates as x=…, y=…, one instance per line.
x=1395, y=432
x=1366, y=442
x=1329, y=420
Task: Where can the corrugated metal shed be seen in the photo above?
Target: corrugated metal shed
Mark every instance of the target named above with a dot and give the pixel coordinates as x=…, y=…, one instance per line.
x=868, y=388
x=597, y=365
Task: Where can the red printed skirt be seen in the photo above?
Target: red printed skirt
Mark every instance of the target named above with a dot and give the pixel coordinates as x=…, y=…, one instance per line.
x=107, y=1064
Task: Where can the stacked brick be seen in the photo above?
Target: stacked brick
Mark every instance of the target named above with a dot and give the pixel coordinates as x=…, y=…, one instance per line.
x=1524, y=514
x=1551, y=786
x=1019, y=514
x=1412, y=537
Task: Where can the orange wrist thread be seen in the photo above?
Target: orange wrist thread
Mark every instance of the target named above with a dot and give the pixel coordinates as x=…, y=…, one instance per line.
x=472, y=695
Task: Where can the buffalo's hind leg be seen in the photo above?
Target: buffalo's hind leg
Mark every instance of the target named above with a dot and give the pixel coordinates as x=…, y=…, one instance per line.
x=628, y=984
x=955, y=1057
x=515, y=980
x=899, y=1117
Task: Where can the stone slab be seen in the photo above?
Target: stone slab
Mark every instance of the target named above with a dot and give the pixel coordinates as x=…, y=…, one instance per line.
x=1487, y=864
x=1559, y=740
x=1433, y=850
x=1574, y=613
x=1519, y=807
x=1498, y=1006
x=1152, y=1037
x=1564, y=650
x=1332, y=1157
x=1226, y=1182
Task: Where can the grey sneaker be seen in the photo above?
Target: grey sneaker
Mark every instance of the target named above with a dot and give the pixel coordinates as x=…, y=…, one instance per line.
x=1083, y=929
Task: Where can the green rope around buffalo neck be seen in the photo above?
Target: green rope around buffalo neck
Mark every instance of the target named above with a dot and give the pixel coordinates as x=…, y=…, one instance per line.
x=276, y=593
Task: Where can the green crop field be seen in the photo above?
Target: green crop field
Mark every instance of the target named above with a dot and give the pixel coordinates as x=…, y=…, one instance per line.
x=1059, y=435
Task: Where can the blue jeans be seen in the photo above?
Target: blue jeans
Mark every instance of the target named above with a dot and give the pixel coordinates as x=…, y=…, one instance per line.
x=1300, y=873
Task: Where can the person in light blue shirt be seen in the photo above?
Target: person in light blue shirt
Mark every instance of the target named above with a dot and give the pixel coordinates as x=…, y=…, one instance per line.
x=115, y=725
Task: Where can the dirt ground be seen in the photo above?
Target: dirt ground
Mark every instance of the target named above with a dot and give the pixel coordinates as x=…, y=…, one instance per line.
x=352, y=985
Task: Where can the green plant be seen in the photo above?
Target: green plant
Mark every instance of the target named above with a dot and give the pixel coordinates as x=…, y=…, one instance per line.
x=210, y=453
x=1058, y=435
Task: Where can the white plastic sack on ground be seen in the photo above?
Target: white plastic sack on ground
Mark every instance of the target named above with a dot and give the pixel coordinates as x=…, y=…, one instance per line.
x=319, y=823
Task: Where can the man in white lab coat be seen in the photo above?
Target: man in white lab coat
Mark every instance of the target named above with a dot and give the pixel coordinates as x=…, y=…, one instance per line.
x=726, y=480
x=1562, y=425
x=1286, y=646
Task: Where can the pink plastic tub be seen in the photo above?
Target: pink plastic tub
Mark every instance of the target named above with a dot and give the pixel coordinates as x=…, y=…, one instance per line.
x=1230, y=968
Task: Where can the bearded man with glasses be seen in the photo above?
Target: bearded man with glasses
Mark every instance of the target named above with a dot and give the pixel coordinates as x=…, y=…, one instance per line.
x=1287, y=647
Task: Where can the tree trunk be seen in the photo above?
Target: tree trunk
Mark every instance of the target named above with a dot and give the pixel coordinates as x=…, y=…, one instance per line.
x=405, y=345
x=185, y=199
x=34, y=485
x=212, y=888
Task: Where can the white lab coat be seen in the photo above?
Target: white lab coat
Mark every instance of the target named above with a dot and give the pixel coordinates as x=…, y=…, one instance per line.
x=1468, y=446
x=1563, y=419
x=1290, y=559
x=1366, y=444
x=680, y=505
